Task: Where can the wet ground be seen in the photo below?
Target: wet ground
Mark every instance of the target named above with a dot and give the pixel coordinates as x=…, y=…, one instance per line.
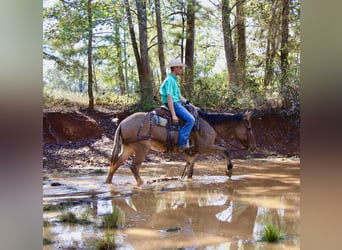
x=210, y=211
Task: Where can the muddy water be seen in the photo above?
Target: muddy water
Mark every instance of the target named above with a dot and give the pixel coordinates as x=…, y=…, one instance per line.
x=209, y=212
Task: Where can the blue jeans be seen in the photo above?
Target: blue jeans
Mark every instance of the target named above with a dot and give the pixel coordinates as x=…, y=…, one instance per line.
x=185, y=115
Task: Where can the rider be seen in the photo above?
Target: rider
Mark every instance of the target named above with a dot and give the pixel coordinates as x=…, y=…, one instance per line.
x=173, y=99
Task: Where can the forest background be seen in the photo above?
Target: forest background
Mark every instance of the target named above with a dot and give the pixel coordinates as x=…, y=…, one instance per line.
x=241, y=54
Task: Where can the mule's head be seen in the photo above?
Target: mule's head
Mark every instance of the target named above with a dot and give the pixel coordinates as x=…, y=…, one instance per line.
x=244, y=132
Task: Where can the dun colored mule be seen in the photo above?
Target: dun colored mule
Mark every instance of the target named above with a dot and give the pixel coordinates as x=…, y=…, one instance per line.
x=139, y=133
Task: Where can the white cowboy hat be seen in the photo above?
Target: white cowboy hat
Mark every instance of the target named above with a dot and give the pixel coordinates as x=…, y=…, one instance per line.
x=176, y=62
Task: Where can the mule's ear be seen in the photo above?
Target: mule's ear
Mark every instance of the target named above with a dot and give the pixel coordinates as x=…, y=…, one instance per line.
x=247, y=115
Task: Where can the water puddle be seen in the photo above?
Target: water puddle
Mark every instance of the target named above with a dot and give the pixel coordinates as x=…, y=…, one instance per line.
x=209, y=212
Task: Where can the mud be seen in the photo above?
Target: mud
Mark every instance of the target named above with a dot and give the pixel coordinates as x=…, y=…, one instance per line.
x=211, y=211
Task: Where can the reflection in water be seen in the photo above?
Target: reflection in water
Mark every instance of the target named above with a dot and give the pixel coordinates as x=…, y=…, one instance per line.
x=193, y=215
x=104, y=207
x=227, y=215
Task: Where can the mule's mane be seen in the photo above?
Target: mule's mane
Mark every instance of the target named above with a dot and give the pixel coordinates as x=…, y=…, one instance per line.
x=220, y=118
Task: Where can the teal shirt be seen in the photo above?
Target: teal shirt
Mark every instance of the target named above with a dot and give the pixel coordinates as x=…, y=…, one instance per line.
x=170, y=87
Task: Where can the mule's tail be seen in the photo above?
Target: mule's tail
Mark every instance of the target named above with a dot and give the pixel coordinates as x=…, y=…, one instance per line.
x=116, y=147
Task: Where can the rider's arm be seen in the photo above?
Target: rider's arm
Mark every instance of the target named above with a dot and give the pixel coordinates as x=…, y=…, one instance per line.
x=172, y=109
x=183, y=99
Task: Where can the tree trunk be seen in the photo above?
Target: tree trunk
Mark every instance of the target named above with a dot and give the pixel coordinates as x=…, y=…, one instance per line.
x=189, y=48
x=90, y=57
x=145, y=74
x=241, y=36
x=228, y=44
x=284, y=50
x=132, y=34
x=160, y=41
x=119, y=75
x=272, y=45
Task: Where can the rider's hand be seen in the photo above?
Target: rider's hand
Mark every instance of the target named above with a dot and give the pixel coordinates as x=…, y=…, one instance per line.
x=192, y=107
x=175, y=119
x=195, y=107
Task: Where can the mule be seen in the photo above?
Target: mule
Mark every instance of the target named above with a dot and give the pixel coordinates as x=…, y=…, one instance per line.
x=139, y=133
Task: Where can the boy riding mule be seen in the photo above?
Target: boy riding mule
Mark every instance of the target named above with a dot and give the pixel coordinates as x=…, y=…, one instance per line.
x=173, y=99
x=140, y=132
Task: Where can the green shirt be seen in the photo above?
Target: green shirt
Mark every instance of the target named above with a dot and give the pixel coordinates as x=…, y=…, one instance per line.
x=170, y=87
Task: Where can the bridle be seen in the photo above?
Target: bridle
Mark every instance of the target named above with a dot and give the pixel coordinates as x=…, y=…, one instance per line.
x=237, y=148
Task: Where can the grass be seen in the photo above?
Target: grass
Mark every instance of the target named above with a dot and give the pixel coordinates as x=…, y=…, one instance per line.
x=113, y=220
x=70, y=217
x=47, y=236
x=106, y=243
x=66, y=98
x=53, y=207
x=110, y=220
x=70, y=99
x=47, y=241
x=272, y=234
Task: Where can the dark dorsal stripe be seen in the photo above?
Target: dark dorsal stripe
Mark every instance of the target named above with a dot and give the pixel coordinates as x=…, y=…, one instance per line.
x=217, y=119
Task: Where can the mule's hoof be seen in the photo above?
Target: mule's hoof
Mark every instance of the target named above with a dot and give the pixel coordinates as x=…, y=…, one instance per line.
x=229, y=173
x=140, y=182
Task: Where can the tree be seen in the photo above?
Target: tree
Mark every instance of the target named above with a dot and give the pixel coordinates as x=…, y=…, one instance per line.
x=265, y=32
x=119, y=61
x=90, y=58
x=141, y=57
x=241, y=40
x=189, y=48
x=272, y=42
x=160, y=40
x=228, y=44
x=284, y=49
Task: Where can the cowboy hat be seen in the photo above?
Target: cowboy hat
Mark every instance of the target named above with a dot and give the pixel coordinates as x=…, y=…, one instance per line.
x=176, y=62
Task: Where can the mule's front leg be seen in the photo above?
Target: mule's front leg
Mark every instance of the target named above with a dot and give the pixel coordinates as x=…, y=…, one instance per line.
x=229, y=170
x=189, y=166
x=190, y=160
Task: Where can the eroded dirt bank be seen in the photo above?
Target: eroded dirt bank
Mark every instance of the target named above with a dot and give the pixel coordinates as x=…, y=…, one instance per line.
x=75, y=137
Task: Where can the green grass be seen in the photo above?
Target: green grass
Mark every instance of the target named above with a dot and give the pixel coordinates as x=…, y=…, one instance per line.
x=272, y=234
x=47, y=236
x=113, y=220
x=70, y=217
x=47, y=241
x=106, y=243
x=52, y=207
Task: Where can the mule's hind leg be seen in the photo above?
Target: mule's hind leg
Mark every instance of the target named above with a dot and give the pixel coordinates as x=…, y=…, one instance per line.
x=190, y=163
x=140, y=156
x=124, y=155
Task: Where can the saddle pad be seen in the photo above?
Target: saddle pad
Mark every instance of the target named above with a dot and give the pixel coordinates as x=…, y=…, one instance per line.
x=160, y=121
